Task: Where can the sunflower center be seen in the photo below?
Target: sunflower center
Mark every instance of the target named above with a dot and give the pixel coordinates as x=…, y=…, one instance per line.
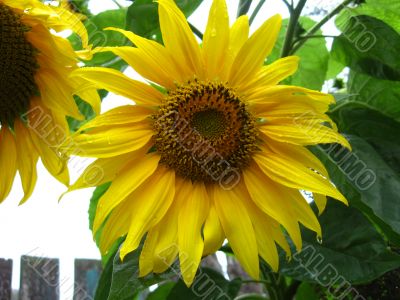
x=204, y=132
x=17, y=66
x=210, y=123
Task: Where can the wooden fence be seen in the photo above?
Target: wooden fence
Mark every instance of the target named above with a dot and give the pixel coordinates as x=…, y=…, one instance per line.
x=40, y=279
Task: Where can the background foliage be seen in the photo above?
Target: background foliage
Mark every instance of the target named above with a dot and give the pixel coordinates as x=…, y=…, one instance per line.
x=358, y=255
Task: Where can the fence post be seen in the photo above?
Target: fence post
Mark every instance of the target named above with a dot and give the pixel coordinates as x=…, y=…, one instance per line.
x=5, y=279
x=39, y=278
x=87, y=274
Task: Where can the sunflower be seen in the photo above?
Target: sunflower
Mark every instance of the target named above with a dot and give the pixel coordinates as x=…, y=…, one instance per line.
x=213, y=149
x=36, y=94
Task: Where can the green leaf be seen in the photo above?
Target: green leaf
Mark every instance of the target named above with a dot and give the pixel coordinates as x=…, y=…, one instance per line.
x=384, y=10
x=376, y=94
x=251, y=297
x=103, y=287
x=312, y=68
x=161, y=292
x=142, y=17
x=334, y=68
x=370, y=46
x=306, y=292
x=352, y=250
x=99, y=37
x=370, y=173
x=208, y=284
x=125, y=282
x=98, y=192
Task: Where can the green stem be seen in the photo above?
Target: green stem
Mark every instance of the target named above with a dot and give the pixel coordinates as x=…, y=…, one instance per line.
x=118, y=4
x=196, y=31
x=256, y=11
x=294, y=19
x=244, y=6
x=289, y=6
x=321, y=23
x=256, y=281
x=321, y=36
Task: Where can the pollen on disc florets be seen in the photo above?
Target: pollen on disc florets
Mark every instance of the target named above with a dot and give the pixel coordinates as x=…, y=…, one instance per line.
x=204, y=130
x=17, y=66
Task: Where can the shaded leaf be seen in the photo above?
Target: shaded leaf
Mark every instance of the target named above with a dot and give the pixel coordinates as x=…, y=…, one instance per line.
x=352, y=250
x=208, y=284
x=370, y=46
x=125, y=281
x=312, y=68
x=142, y=17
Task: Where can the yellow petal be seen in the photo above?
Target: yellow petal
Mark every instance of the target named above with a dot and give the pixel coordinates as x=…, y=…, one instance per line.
x=159, y=190
x=238, y=35
x=109, y=141
x=265, y=238
x=105, y=170
x=167, y=248
x=122, y=115
x=116, y=82
x=320, y=201
x=56, y=93
x=291, y=173
x=126, y=183
x=146, y=259
x=90, y=96
x=27, y=159
x=53, y=160
x=302, y=132
x=274, y=73
x=254, y=51
x=290, y=94
x=178, y=37
x=150, y=59
x=117, y=226
x=213, y=234
x=8, y=161
x=193, y=212
x=269, y=198
x=216, y=38
x=300, y=153
x=303, y=211
x=238, y=228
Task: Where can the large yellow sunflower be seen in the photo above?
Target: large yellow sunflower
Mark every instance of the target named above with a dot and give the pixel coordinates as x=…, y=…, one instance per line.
x=213, y=149
x=36, y=93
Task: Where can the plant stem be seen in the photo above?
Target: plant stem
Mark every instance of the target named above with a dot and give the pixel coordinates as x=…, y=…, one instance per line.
x=321, y=23
x=244, y=6
x=314, y=37
x=256, y=11
x=196, y=31
x=289, y=6
x=117, y=3
x=294, y=18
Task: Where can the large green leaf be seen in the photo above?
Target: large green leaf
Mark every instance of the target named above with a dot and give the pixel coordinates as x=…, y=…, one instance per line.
x=142, y=17
x=370, y=46
x=312, y=68
x=375, y=94
x=364, y=176
x=99, y=37
x=384, y=10
x=208, y=284
x=352, y=250
x=126, y=282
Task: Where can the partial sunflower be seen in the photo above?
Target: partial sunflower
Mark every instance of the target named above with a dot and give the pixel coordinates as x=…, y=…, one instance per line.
x=36, y=94
x=219, y=155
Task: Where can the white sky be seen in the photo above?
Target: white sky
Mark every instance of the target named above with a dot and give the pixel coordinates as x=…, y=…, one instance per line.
x=44, y=227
